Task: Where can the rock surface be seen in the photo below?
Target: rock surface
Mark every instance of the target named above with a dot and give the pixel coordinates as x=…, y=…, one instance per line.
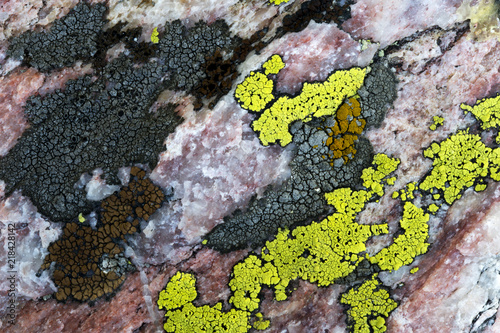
x=443, y=53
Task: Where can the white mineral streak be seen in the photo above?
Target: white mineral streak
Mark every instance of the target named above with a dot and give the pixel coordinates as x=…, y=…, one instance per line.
x=33, y=236
x=215, y=164
x=461, y=291
x=388, y=21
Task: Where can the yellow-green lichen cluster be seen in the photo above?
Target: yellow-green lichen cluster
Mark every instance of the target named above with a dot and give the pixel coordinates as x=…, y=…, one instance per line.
x=437, y=121
x=183, y=316
x=369, y=305
x=487, y=111
x=154, y=36
x=278, y=2
x=315, y=100
x=255, y=92
x=460, y=162
x=273, y=65
x=407, y=246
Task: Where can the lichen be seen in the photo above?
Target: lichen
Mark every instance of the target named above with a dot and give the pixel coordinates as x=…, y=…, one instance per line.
x=315, y=100
x=369, y=305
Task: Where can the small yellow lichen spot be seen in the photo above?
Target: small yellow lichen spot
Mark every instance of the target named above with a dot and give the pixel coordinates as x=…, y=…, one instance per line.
x=365, y=302
x=260, y=324
x=180, y=290
x=315, y=100
x=372, y=179
x=480, y=187
x=407, y=246
x=438, y=121
x=81, y=218
x=433, y=208
x=414, y=270
x=254, y=92
x=273, y=65
x=204, y=242
x=154, y=36
x=278, y=2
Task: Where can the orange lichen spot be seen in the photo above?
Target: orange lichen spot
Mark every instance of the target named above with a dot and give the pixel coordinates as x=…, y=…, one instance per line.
x=344, y=134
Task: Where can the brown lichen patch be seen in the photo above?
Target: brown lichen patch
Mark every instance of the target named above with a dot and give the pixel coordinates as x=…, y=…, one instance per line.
x=78, y=255
x=344, y=134
x=89, y=262
x=122, y=210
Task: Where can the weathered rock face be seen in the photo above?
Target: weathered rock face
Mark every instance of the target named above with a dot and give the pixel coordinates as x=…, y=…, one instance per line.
x=213, y=165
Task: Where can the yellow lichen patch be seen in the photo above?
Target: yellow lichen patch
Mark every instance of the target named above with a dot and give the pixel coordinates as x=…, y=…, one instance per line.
x=183, y=316
x=459, y=162
x=81, y=218
x=254, y=92
x=319, y=253
x=247, y=281
x=372, y=178
x=433, y=208
x=437, y=121
x=154, y=36
x=345, y=132
x=278, y=2
x=273, y=65
x=315, y=100
x=406, y=193
x=409, y=245
x=179, y=291
x=366, y=302
x=260, y=324
x=487, y=111
x=414, y=270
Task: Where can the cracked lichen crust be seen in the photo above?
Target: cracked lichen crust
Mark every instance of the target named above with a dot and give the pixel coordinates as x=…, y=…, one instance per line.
x=377, y=94
x=184, y=51
x=90, y=124
x=300, y=198
x=72, y=38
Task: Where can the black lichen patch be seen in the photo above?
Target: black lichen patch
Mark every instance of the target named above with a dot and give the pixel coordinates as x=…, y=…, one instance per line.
x=220, y=75
x=90, y=262
x=320, y=11
x=377, y=94
x=184, y=50
x=300, y=199
x=72, y=38
x=91, y=124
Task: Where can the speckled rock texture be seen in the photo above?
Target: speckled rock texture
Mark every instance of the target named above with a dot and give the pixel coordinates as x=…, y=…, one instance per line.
x=212, y=166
